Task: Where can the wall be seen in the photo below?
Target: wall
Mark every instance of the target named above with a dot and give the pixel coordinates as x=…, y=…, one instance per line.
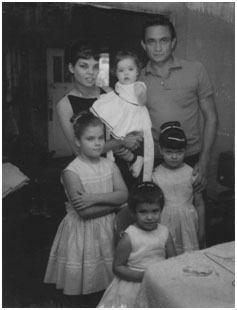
x=211, y=40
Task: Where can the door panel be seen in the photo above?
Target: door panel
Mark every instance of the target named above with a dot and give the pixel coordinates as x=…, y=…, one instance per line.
x=59, y=83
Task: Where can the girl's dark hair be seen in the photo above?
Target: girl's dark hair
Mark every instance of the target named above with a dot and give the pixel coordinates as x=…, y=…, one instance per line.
x=159, y=20
x=145, y=192
x=83, y=120
x=125, y=53
x=172, y=136
x=81, y=49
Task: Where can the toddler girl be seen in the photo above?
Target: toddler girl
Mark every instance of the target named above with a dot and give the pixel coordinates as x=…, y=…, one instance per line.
x=184, y=210
x=81, y=256
x=143, y=243
x=123, y=111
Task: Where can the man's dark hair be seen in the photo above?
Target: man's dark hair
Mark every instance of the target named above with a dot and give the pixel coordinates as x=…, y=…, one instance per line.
x=159, y=20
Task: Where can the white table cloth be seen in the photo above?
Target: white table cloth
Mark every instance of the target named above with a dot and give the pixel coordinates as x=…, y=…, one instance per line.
x=201, y=279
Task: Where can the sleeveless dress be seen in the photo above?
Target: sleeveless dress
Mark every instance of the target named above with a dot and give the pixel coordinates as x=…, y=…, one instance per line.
x=148, y=247
x=80, y=104
x=122, y=114
x=80, y=260
x=179, y=213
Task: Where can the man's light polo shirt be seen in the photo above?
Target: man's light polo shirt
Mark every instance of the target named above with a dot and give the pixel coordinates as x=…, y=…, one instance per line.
x=176, y=98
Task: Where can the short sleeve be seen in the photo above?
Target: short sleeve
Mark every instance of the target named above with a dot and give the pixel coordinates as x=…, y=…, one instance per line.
x=141, y=84
x=205, y=88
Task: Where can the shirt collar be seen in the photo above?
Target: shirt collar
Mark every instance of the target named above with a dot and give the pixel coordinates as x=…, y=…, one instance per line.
x=176, y=64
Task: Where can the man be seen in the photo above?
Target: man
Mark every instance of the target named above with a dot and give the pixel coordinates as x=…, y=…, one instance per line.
x=178, y=90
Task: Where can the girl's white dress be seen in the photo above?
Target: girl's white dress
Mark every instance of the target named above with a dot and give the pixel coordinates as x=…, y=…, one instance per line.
x=121, y=113
x=179, y=213
x=148, y=247
x=81, y=256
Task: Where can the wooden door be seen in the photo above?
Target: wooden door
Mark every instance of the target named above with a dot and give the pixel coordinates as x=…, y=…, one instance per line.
x=59, y=83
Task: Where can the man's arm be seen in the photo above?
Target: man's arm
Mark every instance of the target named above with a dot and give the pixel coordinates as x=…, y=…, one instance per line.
x=208, y=109
x=200, y=207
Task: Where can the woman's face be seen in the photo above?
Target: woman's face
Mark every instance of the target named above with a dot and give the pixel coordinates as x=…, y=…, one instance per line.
x=85, y=71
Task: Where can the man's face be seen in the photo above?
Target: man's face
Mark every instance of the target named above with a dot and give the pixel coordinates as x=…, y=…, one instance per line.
x=158, y=43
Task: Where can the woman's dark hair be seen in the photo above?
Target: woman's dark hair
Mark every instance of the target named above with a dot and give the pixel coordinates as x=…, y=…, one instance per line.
x=83, y=120
x=145, y=192
x=81, y=49
x=159, y=20
x=125, y=53
x=172, y=136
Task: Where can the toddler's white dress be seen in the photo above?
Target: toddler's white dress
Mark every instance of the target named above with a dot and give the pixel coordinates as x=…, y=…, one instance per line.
x=81, y=256
x=148, y=247
x=179, y=213
x=122, y=114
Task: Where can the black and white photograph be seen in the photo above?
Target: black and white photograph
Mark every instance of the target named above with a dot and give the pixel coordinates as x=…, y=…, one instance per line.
x=118, y=154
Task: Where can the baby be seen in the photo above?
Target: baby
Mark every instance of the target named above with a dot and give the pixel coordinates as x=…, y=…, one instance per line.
x=123, y=111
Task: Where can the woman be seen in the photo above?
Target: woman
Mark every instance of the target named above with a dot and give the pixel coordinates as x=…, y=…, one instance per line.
x=82, y=59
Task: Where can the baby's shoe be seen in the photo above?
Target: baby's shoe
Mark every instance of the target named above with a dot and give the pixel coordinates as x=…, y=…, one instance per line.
x=137, y=166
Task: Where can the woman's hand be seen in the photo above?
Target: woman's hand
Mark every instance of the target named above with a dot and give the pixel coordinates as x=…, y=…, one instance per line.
x=133, y=140
x=124, y=154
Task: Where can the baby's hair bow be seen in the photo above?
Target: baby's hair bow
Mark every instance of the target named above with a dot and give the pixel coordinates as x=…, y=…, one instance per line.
x=170, y=125
x=76, y=117
x=177, y=139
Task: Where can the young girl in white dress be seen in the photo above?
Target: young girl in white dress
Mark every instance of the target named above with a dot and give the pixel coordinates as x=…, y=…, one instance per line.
x=81, y=256
x=143, y=243
x=184, y=210
x=123, y=111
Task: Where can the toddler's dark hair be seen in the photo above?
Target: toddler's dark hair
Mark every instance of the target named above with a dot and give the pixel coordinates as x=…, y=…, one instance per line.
x=83, y=120
x=172, y=136
x=145, y=192
x=123, y=54
x=81, y=49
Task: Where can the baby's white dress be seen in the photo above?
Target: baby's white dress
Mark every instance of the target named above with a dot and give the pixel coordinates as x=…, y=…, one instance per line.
x=81, y=256
x=121, y=113
x=179, y=213
x=148, y=247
